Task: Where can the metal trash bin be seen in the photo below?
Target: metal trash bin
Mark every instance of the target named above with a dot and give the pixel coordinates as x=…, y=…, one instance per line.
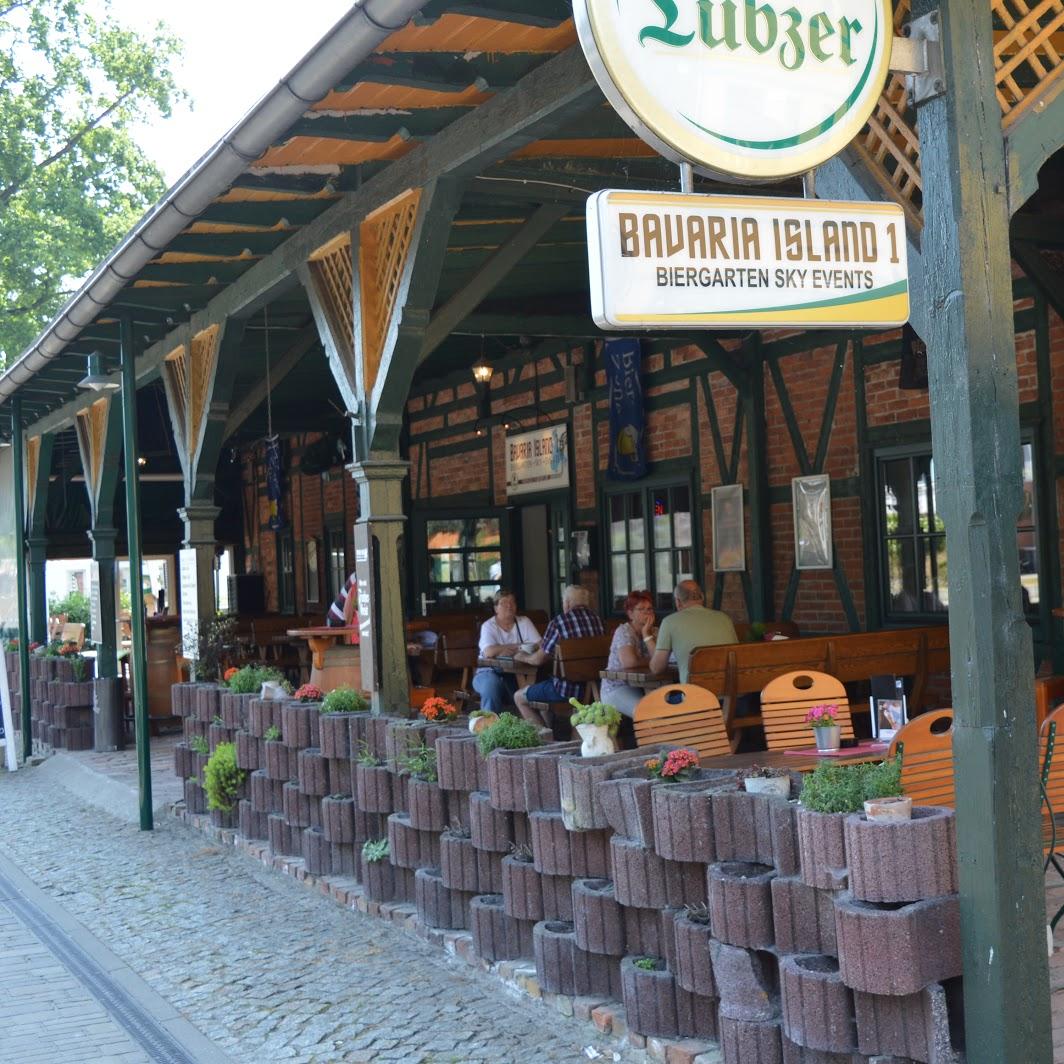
x=107, y=715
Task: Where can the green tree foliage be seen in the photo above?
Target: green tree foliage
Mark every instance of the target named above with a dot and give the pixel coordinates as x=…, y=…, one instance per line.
x=72, y=179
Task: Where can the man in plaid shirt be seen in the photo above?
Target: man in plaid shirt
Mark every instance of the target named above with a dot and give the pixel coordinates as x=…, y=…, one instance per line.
x=575, y=620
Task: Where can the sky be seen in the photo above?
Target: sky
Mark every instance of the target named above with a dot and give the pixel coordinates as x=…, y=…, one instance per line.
x=235, y=51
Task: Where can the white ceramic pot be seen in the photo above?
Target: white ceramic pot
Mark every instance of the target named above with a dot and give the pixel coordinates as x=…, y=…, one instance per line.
x=780, y=786
x=596, y=740
x=888, y=810
x=273, y=691
x=478, y=724
x=828, y=738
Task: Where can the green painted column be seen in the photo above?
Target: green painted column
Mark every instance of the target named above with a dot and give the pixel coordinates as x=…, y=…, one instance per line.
x=978, y=480
x=762, y=607
x=199, y=519
x=378, y=546
x=37, y=554
x=138, y=650
x=19, y=462
x=103, y=553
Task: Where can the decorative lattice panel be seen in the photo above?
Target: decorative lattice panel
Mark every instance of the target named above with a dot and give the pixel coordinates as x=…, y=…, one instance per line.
x=331, y=270
x=175, y=375
x=1026, y=56
x=33, y=461
x=91, y=425
x=203, y=357
x=384, y=244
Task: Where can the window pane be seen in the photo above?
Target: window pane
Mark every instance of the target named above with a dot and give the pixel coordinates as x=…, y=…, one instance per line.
x=486, y=532
x=617, y=537
x=444, y=534
x=620, y=577
x=662, y=520
x=663, y=573
x=924, y=470
x=445, y=568
x=484, y=565
x=935, y=589
x=681, y=517
x=484, y=593
x=901, y=576
x=898, y=496
x=1028, y=547
x=639, y=571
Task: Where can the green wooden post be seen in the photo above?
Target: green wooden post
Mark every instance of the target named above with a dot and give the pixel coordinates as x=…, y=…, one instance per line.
x=19, y=461
x=37, y=542
x=138, y=650
x=752, y=397
x=976, y=435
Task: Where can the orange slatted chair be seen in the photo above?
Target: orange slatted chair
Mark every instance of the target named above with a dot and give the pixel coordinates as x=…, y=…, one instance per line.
x=926, y=747
x=684, y=714
x=787, y=699
x=1048, y=694
x=1050, y=738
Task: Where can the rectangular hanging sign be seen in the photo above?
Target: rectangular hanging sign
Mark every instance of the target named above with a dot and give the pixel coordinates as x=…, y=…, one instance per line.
x=537, y=460
x=665, y=260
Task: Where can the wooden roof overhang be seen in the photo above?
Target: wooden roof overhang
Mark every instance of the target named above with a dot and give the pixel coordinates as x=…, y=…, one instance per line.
x=490, y=103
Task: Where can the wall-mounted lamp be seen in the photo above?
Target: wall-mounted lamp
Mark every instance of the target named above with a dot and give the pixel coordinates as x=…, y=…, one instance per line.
x=482, y=371
x=96, y=380
x=142, y=461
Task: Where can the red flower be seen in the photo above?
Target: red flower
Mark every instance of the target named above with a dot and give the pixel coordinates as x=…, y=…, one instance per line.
x=679, y=762
x=309, y=693
x=68, y=650
x=439, y=709
x=229, y=674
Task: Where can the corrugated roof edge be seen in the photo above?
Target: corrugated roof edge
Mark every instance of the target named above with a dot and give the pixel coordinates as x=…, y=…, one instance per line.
x=350, y=41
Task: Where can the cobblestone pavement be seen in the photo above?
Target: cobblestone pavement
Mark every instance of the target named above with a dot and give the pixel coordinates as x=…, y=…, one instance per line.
x=262, y=966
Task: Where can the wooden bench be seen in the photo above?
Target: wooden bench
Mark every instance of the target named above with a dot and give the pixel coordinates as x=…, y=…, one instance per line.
x=747, y=668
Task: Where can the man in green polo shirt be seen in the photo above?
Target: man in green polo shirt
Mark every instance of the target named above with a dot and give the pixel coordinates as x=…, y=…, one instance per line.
x=692, y=625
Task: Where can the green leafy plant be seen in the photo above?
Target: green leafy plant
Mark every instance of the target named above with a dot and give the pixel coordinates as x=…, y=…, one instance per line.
x=273, y=734
x=458, y=830
x=344, y=700
x=601, y=714
x=374, y=850
x=217, y=721
x=698, y=912
x=367, y=757
x=834, y=788
x=74, y=606
x=508, y=733
x=420, y=762
x=647, y=964
x=222, y=779
x=757, y=632
x=249, y=679
x=198, y=745
x=80, y=667
x=522, y=852
x=475, y=713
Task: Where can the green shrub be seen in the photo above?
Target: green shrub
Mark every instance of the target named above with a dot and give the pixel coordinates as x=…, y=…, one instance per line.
x=421, y=763
x=647, y=964
x=598, y=713
x=222, y=779
x=344, y=700
x=273, y=733
x=374, y=850
x=508, y=733
x=76, y=606
x=198, y=745
x=249, y=679
x=834, y=788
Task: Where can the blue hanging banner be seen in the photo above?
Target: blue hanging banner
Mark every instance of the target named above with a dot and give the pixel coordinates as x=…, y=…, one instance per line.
x=624, y=384
x=273, y=482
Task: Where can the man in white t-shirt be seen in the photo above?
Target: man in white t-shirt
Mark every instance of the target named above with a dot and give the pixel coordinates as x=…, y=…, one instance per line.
x=502, y=635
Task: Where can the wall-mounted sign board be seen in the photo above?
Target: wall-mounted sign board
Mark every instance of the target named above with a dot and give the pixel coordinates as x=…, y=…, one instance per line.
x=746, y=89
x=537, y=460
x=674, y=260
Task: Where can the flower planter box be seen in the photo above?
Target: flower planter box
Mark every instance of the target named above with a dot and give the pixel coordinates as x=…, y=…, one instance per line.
x=528, y=895
x=253, y=824
x=313, y=773
x=578, y=778
x=657, y=1007
x=803, y=918
x=747, y=981
x=285, y=840
x=316, y=852
x=373, y=788
x=740, y=903
x=263, y=715
x=492, y=829
x=438, y=905
x=563, y=968
x=496, y=936
x=891, y=949
x=300, y=810
x=249, y=754
x=426, y=805
x=218, y=734
x=644, y=880
x=338, y=819
x=379, y=880
x=401, y=739
x=691, y=962
x=818, y=1009
x=506, y=779
x=458, y=863
x=542, y=793
x=409, y=847
x=902, y=861
x=281, y=764
x=597, y=919
x=916, y=1027
x=751, y=1041
x=558, y=852
x=234, y=709
x=334, y=735
x=822, y=849
x=299, y=724
x=459, y=764
x=683, y=820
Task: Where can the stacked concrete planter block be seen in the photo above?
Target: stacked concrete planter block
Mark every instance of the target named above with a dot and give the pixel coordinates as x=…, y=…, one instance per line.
x=803, y=917
x=300, y=810
x=747, y=981
x=459, y=764
x=235, y=709
x=426, y=805
x=578, y=778
x=742, y=826
x=437, y=904
x=380, y=880
x=373, y=788
x=818, y=1008
x=338, y=819
x=218, y=734
x=313, y=773
x=334, y=735
x=299, y=724
x=266, y=795
x=195, y=797
x=506, y=779
x=752, y=1041
x=208, y=701
x=558, y=852
x=562, y=967
x=249, y=752
x=643, y=880
x=410, y=848
x=542, y=793
x=740, y=904
x=530, y=895
x=692, y=962
x=317, y=855
x=497, y=936
x=822, y=849
x=915, y=1027
x=252, y=824
x=281, y=762
x=683, y=821
x=263, y=714
x=598, y=920
x=401, y=739
x=491, y=829
x=459, y=867
x=657, y=1007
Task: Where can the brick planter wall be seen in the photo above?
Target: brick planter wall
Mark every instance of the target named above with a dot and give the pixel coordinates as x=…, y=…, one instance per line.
x=426, y=805
x=644, y=880
x=655, y=1006
x=740, y=903
x=373, y=788
x=598, y=922
x=558, y=852
x=492, y=829
x=822, y=848
x=437, y=904
x=313, y=773
x=338, y=819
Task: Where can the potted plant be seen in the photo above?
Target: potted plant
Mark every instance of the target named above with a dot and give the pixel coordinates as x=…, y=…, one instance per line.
x=223, y=780
x=439, y=711
x=480, y=719
x=761, y=779
x=508, y=733
x=506, y=774
x=677, y=766
x=309, y=693
x=597, y=724
x=824, y=720
x=884, y=802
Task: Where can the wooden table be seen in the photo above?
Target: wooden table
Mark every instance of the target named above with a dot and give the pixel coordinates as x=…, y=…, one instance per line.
x=641, y=677
x=526, y=674
x=334, y=661
x=798, y=762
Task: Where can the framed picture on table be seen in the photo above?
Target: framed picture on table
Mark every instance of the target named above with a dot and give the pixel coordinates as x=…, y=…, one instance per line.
x=729, y=540
x=889, y=706
x=811, y=498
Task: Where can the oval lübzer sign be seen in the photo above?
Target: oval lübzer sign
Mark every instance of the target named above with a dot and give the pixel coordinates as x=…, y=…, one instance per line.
x=749, y=89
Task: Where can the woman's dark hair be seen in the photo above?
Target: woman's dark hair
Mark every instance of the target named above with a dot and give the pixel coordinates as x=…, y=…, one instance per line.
x=635, y=597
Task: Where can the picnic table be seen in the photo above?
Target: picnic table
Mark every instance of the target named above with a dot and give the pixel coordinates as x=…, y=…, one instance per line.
x=641, y=677
x=526, y=674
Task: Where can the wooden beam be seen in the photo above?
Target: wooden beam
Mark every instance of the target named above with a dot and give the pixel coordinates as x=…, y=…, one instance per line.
x=484, y=280
x=1031, y=141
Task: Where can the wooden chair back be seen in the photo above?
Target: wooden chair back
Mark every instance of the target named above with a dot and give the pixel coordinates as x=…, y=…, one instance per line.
x=458, y=650
x=787, y=699
x=1048, y=694
x=682, y=714
x=1051, y=758
x=581, y=660
x=73, y=633
x=926, y=747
